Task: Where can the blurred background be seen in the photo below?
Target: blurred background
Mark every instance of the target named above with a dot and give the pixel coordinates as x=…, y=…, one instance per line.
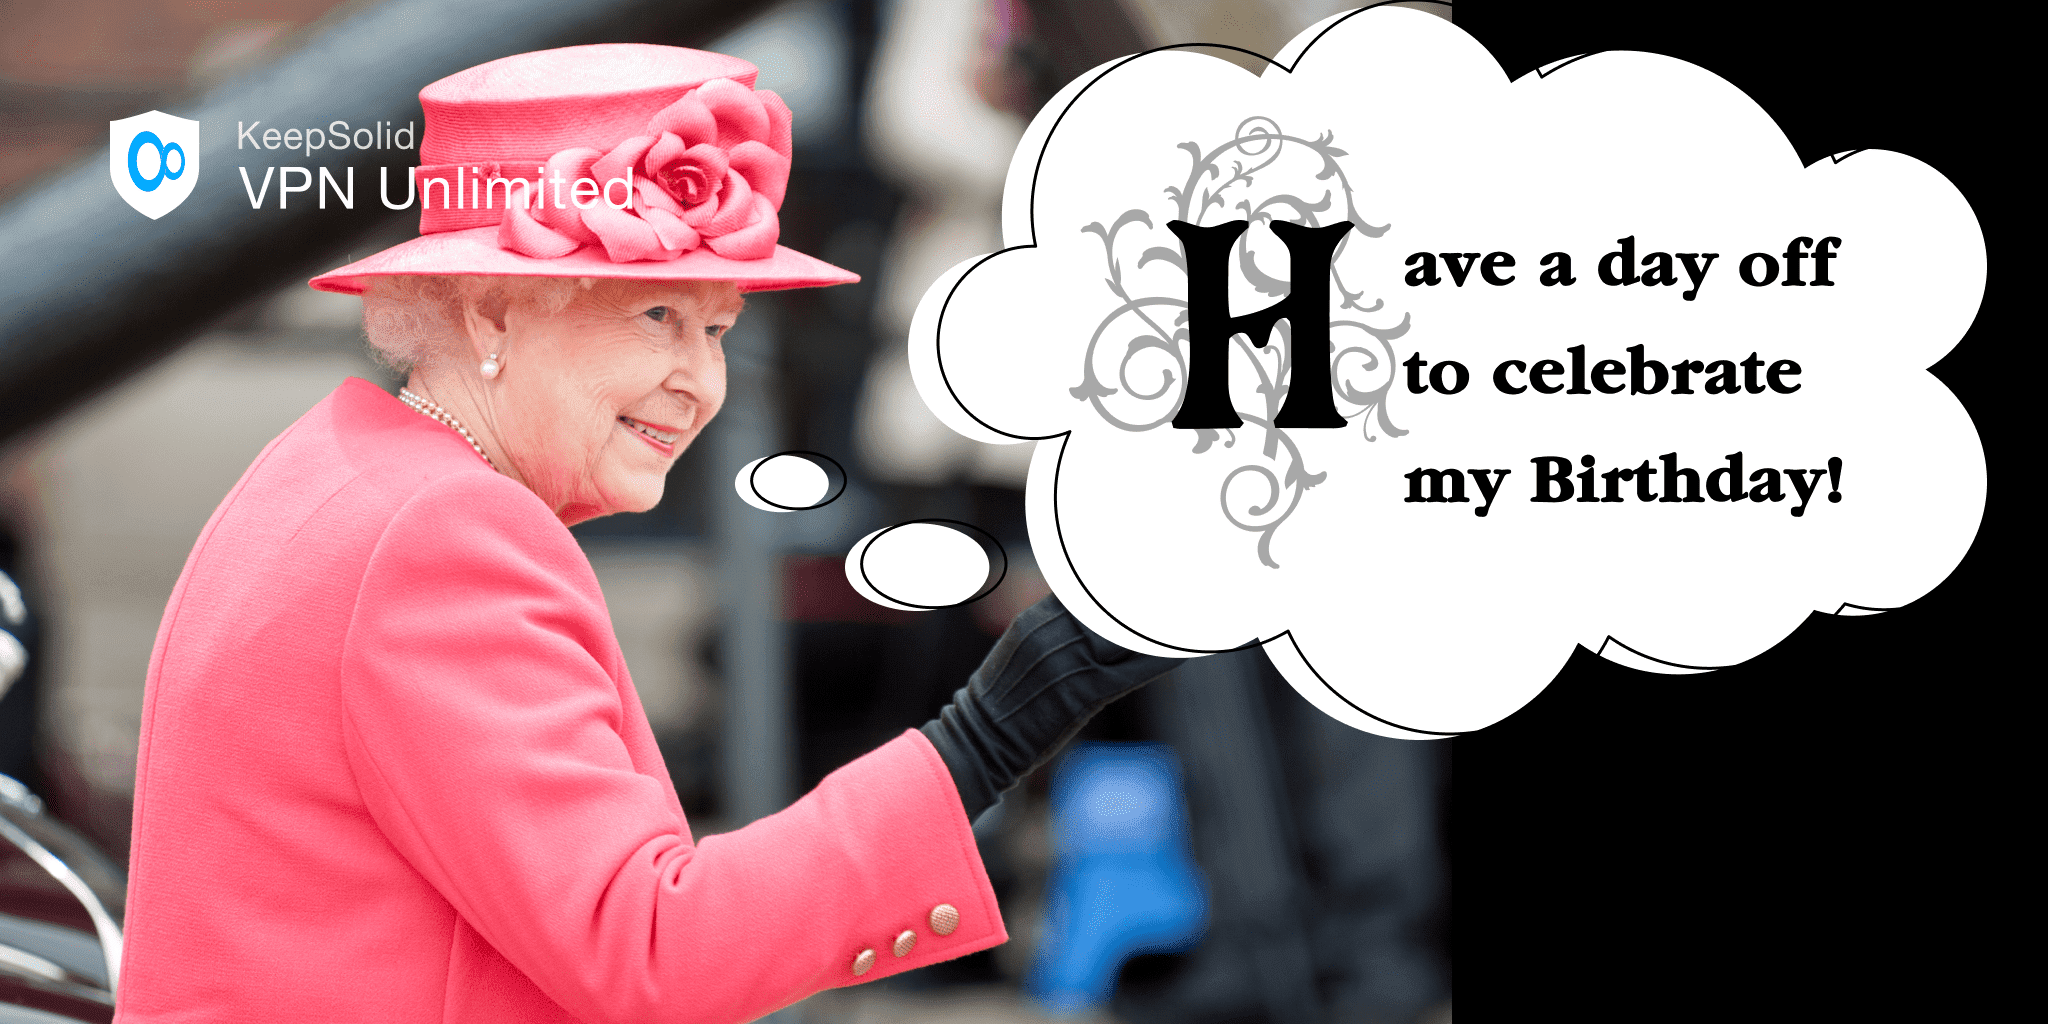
x=1294, y=870
x=1830, y=830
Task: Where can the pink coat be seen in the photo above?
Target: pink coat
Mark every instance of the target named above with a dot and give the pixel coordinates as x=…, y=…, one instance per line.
x=393, y=770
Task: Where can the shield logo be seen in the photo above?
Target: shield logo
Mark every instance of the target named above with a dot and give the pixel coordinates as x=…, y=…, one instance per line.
x=154, y=160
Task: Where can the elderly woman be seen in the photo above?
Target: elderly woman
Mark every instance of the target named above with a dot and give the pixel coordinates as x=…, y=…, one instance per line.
x=392, y=765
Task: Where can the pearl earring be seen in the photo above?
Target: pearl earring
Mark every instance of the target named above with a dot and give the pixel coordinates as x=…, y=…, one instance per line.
x=490, y=367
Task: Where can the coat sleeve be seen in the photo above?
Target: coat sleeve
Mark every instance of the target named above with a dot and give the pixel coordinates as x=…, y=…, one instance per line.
x=485, y=732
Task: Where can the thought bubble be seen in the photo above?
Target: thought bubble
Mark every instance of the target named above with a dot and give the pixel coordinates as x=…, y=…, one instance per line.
x=1594, y=361
x=926, y=564
x=914, y=566
x=790, y=482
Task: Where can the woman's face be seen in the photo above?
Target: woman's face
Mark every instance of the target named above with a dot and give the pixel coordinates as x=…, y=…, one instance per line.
x=595, y=402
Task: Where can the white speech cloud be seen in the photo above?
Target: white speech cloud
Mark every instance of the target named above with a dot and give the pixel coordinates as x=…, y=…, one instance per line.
x=926, y=564
x=790, y=482
x=1424, y=618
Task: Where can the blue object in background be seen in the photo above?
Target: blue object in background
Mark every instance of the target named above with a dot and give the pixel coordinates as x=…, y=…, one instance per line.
x=1124, y=880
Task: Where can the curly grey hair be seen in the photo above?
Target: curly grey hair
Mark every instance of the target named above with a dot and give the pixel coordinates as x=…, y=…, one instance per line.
x=411, y=319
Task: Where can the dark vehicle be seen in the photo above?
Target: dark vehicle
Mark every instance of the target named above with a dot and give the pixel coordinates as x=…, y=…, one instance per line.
x=61, y=905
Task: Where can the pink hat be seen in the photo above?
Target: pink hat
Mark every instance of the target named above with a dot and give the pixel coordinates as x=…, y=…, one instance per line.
x=619, y=160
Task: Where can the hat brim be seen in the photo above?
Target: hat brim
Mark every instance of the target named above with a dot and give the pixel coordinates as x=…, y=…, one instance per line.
x=476, y=251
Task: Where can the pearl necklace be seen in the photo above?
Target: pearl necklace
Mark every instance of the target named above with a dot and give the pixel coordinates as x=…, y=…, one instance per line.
x=427, y=408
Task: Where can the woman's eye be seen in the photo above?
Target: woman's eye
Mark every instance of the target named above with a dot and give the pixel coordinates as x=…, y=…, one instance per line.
x=714, y=331
x=659, y=314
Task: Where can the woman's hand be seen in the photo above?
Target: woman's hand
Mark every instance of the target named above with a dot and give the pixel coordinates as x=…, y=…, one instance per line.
x=1046, y=678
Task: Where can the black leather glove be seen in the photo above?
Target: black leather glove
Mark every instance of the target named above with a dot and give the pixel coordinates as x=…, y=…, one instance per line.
x=1044, y=680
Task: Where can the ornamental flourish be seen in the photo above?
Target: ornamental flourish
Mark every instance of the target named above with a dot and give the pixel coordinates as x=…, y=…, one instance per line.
x=1259, y=495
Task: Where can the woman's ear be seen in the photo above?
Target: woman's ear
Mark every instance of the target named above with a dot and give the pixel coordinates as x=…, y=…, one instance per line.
x=483, y=322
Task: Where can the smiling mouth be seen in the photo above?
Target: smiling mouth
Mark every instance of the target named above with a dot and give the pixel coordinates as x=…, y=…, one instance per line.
x=664, y=439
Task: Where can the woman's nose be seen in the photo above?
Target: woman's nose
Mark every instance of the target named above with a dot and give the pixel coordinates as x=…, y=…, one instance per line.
x=698, y=376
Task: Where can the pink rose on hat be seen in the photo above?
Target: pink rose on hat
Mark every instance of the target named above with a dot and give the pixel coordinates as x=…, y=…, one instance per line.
x=709, y=170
